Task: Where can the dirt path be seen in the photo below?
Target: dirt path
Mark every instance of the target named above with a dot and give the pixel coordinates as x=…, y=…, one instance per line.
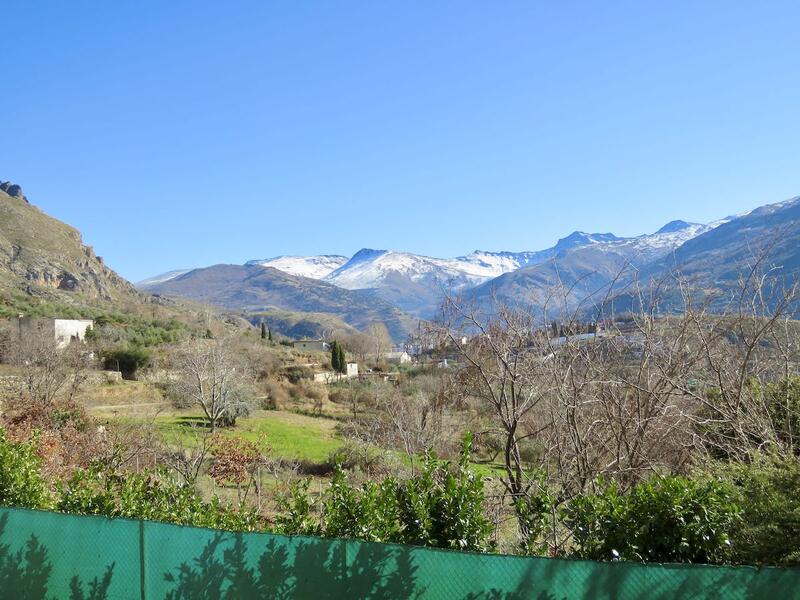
x=126, y=406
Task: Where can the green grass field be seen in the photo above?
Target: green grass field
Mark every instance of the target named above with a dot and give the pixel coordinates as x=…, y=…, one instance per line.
x=288, y=435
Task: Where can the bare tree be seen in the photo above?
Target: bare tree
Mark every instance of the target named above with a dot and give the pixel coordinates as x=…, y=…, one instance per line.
x=680, y=372
x=47, y=370
x=212, y=377
x=411, y=418
x=379, y=337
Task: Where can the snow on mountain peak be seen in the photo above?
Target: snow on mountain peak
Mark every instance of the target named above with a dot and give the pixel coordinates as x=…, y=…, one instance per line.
x=314, y=267
x=674, y=226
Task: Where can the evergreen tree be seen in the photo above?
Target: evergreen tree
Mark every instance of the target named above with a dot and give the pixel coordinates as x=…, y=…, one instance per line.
x=269, y=334
x=263, y=330
x=335, y=357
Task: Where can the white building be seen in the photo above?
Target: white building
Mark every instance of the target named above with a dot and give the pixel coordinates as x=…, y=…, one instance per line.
x=397, y=358
x=333, y=376
x=62, y=332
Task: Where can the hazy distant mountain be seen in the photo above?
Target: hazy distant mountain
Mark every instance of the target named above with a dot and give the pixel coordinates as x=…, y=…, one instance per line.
x=417, y=283
x=255, y=288
x=315, y=267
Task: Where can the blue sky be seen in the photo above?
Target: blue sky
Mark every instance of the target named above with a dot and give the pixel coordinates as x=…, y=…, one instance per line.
x=178, y=134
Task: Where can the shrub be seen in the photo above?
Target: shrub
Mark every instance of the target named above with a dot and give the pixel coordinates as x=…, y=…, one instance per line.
x=278, y=396
x=769, y=531
x=21, y=480
x=151, y=495
x=367, y=458
x=443, y=506
x=128, y=360
x=295, y=374
x=312, y=391
x=670, y=519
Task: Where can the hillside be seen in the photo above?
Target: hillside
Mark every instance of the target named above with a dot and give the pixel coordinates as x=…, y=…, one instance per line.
x=255, y=288
x=566, y=281
x=713, y=257
x=44, y=260
x=717, y=260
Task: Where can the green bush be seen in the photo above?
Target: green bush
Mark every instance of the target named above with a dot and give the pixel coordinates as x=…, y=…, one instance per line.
x=128, y=360
x=21, y=481
x=152, y=495
x=769, y=493
x=669, y=519
x=443, y=506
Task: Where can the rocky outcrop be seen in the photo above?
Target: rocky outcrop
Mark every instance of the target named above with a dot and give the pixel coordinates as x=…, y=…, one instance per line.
x=41, y=255
x=13, y=190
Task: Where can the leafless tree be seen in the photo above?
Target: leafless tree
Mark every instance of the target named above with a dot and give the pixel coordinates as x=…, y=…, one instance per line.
x=678, y=375
x=379, y=337
x=212, y=377
x=47, y=370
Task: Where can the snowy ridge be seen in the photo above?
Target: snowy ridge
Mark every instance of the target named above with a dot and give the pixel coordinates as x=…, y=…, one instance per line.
x=377, y=268
x=161, y=278
x=314, y=267
x=371, y=268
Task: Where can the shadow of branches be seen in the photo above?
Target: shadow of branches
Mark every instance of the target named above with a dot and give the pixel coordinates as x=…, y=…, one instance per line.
x=25, y=574
x=307, y=569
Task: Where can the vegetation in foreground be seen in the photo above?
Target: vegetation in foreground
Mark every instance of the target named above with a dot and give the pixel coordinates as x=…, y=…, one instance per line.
x=665, y=438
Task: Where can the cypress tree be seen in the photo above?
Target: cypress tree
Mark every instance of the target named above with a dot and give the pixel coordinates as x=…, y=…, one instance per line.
x=269, y=334
x=335, y=357
x=263, y=330
x=342, y=359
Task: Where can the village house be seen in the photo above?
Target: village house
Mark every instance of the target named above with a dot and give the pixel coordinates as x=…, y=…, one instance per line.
x=62, y=332
x=332, y=376
x=397, y=358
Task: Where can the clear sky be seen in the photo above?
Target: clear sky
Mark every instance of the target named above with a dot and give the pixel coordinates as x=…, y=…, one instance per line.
x=177, y=134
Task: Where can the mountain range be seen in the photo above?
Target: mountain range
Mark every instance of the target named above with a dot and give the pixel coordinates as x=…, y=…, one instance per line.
x=45, y=262
x=587, y=264
x=416, y=284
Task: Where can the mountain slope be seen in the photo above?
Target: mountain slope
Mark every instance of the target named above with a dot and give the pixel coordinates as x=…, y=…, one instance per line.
x=45, y=258
x=161, y=278
x=718, y=258
x=255, y=288
x=712, y=256
x=416, y=283
x=565, y=281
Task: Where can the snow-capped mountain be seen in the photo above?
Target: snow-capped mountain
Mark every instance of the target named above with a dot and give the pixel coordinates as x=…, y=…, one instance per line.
x=314, y=267
x=587, y=262
x=371, y=268
x=150, y=281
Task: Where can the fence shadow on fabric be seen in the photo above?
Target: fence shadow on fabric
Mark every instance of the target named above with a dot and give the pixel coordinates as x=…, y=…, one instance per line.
x=50, y=556
x=26, y=572
x=308, y=569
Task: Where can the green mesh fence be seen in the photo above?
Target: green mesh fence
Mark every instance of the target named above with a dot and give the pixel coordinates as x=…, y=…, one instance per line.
x=54, y=556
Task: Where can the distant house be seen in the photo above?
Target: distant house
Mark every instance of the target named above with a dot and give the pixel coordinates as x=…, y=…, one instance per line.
x=62, y=332
x=333, y=376
x=311, y=345
x=397, y=358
